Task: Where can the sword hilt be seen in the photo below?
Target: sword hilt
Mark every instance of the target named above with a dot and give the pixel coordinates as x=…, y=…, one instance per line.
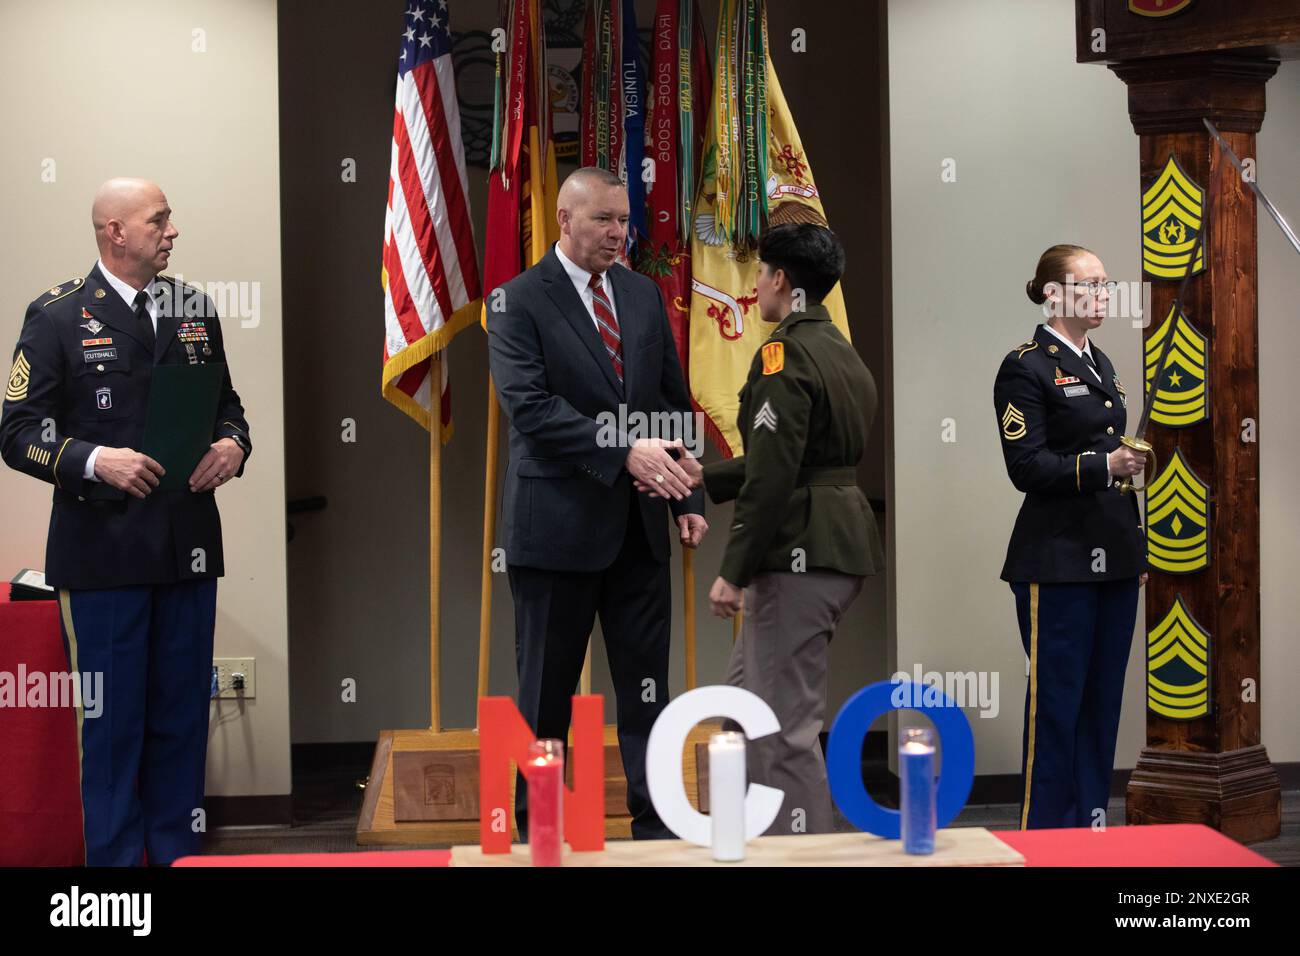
x=1142, y=447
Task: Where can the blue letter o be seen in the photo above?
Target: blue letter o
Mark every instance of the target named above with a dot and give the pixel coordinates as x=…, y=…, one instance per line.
x=844, y=758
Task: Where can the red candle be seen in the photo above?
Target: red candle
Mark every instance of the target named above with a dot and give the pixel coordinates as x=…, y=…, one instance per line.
x=545, y=775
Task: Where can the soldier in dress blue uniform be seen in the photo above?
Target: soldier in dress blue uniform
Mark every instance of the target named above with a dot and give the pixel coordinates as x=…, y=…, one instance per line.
x=1077, y=555
x=135, y=567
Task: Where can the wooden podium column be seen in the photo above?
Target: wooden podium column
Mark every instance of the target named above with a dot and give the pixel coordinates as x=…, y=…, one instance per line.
x=1212, y=769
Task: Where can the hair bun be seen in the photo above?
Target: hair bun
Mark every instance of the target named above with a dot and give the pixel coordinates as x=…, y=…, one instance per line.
x=1035, y=292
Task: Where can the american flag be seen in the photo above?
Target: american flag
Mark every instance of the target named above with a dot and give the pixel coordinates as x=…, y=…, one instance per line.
x=430, y=274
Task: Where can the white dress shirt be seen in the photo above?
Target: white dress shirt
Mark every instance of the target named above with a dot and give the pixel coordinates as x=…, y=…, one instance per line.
x=581, y=277
x=128, y=295
x=1087, y=348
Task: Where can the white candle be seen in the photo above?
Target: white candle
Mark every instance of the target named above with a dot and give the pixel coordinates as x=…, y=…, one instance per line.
x=727, y=786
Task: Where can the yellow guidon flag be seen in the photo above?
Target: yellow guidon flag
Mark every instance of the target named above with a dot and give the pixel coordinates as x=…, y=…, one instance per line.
x=1178, y=523
x=1178, y=666
x=755, y=173
x=1172, y=211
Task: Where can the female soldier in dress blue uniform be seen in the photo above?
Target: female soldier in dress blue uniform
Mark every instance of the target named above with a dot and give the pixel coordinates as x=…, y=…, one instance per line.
x=1077, y=555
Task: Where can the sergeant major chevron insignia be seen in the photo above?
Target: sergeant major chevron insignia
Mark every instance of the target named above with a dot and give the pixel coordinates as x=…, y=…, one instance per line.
x=19, y=377
x=1182, y=395
x=1172, y=211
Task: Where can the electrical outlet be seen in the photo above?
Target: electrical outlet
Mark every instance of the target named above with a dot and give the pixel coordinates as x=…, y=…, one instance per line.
x=235, y=677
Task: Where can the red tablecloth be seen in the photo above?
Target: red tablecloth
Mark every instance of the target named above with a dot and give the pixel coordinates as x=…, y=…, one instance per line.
x=360, y=858
x=1179, y=844
x=40, y=800
x=1174, y=844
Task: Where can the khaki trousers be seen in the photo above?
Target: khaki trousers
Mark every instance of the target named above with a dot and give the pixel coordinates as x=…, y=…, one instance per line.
x=782, y=655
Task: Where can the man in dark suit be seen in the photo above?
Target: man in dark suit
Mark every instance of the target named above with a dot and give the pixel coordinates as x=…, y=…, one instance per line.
x=135, y=566
x=573, y=341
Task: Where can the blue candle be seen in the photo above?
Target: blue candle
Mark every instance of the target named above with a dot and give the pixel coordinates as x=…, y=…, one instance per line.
x=917, y=790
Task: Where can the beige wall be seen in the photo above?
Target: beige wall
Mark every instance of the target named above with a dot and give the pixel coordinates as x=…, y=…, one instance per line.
x=1279, y=451
x=1001, y=94
x=117, y=89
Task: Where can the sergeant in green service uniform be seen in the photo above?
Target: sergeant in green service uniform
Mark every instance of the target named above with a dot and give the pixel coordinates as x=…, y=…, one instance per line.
x=803, y=535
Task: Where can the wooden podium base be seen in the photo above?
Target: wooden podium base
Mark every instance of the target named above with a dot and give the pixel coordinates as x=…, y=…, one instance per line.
x=958, y=846
x=446, y=763
x=1236, y=792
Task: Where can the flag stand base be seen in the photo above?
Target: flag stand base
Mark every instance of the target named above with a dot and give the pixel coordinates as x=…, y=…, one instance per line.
x=435, y=774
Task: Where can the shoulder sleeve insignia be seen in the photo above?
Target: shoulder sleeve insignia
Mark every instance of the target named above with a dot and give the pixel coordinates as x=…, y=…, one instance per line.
x=773, y=357
x=1013, y=423
x=1027, y=347
x=19, y=377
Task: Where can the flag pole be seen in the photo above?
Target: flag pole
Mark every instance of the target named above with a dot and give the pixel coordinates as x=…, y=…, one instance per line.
x=489, y=536
x=435, y=540
x=688, y=608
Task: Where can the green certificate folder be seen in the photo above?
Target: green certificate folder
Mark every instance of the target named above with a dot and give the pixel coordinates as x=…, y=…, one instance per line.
x=181, y=418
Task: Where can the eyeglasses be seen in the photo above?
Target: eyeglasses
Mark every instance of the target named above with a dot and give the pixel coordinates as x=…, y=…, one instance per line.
x=1094, y=286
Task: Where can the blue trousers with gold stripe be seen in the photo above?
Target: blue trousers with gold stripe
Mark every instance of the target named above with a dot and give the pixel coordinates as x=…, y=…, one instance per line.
x=1077, y=637
x=143, y=757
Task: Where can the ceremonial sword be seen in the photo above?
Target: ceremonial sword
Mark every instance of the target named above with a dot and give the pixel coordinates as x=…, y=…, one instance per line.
x=1250, y=181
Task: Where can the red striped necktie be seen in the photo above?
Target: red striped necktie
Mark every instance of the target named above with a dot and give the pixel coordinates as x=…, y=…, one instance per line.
x=607, y=325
